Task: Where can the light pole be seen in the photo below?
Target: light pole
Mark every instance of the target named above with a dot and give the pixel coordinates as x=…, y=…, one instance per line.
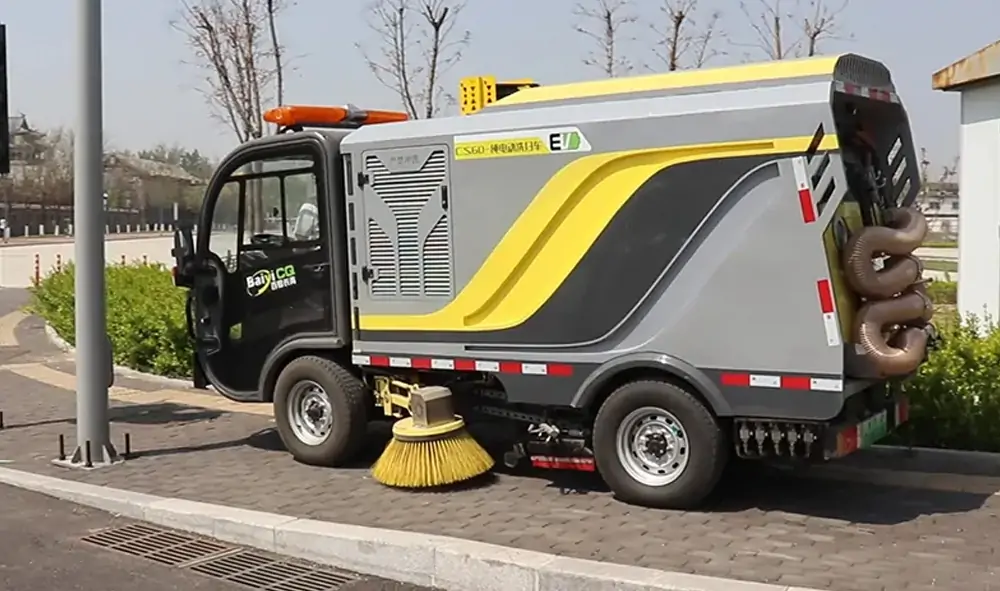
x=93, y=437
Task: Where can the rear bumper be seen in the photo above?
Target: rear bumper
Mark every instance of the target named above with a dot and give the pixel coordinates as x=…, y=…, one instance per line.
x=842, y=439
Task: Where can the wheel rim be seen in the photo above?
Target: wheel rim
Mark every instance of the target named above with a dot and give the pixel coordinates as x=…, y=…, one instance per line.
x=310, y=413
x=652, y=446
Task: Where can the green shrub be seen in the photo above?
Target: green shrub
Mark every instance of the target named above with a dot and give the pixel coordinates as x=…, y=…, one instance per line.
x=146, y=321
x=943, y=293
x=955, y=397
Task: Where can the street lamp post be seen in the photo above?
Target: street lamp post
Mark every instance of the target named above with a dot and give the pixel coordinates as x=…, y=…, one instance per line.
x=93, y=437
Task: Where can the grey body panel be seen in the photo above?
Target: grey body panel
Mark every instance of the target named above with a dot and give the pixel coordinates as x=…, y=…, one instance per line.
x=741, y=294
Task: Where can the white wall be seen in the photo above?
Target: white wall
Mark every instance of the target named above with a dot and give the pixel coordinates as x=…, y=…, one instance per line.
x=979, y=213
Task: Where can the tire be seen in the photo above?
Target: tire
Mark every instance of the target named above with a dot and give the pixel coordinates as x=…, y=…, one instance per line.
x=346, y=406
x=687, y=478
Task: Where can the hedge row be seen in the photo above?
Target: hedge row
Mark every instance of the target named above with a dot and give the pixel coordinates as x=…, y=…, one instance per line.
x=146, y=320
x=955, y=397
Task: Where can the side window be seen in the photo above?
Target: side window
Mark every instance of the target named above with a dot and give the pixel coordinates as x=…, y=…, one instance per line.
x=280, y=204
x=224, y=238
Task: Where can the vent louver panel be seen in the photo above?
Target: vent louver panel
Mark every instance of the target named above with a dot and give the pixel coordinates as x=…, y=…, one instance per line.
x=419, y=264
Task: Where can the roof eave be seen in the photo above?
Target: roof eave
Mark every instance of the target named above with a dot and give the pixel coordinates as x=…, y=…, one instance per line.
x=982, y=66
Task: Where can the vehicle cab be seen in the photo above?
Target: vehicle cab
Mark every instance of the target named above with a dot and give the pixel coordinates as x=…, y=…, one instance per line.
x=269, y=249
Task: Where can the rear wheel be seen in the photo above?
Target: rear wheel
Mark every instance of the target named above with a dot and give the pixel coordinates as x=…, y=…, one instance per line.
x=321, y=411
x=657, y=445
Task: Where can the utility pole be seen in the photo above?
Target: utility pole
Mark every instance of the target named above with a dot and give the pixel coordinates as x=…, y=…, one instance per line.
x=93, y=433
x=4, y=133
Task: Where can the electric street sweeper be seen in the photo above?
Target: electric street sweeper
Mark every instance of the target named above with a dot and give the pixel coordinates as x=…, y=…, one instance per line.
x=637, y=277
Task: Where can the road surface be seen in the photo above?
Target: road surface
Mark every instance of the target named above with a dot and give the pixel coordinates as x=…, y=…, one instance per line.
x=41, y=549
x=17, y=261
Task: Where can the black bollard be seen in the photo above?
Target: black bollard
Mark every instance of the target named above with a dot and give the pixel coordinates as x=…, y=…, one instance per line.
x=128, y=446
x=62, y=448
x=88, y=460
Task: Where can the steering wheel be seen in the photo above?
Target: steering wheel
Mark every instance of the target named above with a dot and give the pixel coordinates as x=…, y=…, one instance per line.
x=267, y=240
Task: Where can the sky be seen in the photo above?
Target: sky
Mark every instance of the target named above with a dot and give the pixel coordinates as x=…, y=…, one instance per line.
x=151, y=94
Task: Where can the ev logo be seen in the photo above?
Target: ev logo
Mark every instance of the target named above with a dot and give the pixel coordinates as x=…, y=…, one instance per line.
x=567, y=140
x=267, y=280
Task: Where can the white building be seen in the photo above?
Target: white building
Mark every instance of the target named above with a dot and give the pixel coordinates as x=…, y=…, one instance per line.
x=977, y=79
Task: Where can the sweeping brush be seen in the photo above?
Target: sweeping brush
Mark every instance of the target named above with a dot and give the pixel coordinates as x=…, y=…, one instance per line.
x=431, y=447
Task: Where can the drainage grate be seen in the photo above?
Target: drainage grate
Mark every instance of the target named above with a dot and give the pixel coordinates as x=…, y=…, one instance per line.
x=261, y=572
x=254, y=570
x=165, y=547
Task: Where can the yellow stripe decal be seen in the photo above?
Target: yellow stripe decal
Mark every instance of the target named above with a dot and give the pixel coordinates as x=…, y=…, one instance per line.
x=556, y=230
x=757, y=72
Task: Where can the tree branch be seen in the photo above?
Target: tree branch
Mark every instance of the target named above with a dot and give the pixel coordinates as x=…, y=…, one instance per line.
x=681, y=42
x=417, y=44
x=604, y=22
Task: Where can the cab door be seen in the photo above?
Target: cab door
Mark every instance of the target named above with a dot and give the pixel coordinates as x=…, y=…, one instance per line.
x=264, y=257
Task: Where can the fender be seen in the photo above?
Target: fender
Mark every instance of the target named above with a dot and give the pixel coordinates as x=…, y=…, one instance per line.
x=604, y=373
x=286, y=349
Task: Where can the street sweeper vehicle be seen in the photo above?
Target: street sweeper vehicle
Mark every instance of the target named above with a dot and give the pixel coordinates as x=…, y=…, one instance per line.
x=637, y=277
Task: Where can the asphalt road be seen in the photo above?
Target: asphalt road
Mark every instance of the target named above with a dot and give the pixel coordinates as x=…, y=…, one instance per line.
x=40, y=549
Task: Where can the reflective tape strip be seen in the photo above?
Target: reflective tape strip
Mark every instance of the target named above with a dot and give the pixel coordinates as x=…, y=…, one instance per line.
x=781, y=382
x=874, y=94
x=831, y=324
x=479, y=365
x=805, y=190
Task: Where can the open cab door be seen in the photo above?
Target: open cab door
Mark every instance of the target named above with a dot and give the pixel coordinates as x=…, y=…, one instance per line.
x=260, y=267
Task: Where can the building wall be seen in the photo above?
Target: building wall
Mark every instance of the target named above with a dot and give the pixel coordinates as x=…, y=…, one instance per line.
x=979, y=182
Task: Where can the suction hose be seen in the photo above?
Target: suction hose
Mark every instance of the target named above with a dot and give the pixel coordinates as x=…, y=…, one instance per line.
x=887, y=328
x=903, y=351
x=905, y=232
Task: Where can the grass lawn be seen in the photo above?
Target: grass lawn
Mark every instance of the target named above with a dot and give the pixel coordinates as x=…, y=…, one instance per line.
x=945, y=266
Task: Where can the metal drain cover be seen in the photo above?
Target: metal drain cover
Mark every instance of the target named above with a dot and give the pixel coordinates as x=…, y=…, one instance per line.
x=253, y=570
x=162, y=546
x=261, y=572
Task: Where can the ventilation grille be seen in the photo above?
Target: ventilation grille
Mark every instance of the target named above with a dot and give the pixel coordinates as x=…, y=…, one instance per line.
x=903, y=189
x=382, y=258
x=821, y=178
x=419, y=263
x=860, y=71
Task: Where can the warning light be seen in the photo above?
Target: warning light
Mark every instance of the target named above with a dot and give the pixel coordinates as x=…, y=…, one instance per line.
x=323, y=116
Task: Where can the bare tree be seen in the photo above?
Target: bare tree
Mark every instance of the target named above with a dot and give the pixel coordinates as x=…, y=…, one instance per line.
x=417, y=45
x=605, y=22
x=782, y=29
x=273, y=6
x=242, y=68
x=820, y=22
x=235, y=44
x=683, y=42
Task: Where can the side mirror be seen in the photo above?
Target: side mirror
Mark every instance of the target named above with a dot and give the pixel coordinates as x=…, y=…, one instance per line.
x=183, y=253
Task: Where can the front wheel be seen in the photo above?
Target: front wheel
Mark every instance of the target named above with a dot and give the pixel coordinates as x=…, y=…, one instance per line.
x=321, y=411
x=657, y=445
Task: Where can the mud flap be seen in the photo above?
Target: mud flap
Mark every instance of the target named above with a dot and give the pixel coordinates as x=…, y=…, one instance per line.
x=842, y=439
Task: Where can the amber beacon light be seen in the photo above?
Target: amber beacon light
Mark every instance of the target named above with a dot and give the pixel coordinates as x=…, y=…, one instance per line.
x=299, y=116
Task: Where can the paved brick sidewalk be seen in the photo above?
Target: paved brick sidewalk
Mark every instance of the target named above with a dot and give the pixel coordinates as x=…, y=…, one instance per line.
x=763, y=526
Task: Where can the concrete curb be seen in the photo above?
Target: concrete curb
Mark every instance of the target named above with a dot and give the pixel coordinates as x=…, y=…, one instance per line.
x=120, y=370
x=448, y=563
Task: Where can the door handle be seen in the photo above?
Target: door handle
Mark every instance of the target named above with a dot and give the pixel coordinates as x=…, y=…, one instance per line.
x=316, y=268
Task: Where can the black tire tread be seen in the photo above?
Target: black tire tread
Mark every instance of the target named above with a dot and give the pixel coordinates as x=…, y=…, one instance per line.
x=348, y=388
x=689, y=491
